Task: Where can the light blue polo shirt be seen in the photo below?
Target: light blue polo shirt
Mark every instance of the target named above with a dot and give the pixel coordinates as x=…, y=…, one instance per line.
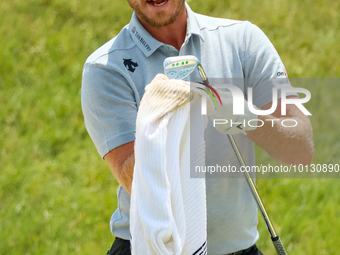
x=114, y=78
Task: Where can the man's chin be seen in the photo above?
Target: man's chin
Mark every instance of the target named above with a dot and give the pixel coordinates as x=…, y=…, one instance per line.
x=159, y=20
x=163, y=23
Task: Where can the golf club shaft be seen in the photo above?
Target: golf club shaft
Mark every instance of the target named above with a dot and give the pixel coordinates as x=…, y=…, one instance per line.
x=275, y=238
x=253, y=188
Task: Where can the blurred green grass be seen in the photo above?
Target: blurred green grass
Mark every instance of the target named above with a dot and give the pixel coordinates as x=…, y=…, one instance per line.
x=57, y=195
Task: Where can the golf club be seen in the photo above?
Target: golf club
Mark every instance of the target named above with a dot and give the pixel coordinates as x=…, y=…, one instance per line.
x=181, y=67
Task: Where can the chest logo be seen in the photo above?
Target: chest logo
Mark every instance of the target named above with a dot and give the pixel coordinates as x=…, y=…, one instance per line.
x=130, y=65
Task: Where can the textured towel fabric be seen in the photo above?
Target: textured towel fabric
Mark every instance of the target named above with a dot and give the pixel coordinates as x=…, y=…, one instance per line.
x=168, y=208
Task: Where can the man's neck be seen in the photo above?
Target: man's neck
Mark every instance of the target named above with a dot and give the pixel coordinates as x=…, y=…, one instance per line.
x=173, y=34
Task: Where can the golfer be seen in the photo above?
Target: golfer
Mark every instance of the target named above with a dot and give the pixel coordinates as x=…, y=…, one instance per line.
x=114, y=78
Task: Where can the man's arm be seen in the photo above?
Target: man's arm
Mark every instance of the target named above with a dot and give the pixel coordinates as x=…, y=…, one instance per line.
x=288, y=145
x=121, y=161
x=110, y=109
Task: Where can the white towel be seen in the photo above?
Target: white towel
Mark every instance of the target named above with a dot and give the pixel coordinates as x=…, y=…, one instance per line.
x=168, y=208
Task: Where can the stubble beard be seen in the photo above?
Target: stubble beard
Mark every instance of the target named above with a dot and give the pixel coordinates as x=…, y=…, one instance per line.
x=158, y=21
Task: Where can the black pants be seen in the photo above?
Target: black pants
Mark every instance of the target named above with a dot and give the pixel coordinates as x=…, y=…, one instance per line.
x=122, y=247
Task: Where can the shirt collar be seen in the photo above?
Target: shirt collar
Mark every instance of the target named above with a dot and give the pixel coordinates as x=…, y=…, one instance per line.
x=147, y=44
x=192, y=26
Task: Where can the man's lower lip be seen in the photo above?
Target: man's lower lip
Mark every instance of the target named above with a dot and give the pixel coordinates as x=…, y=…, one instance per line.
x=158, y=5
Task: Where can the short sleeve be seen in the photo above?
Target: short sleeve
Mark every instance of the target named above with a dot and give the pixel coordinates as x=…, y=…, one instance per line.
x=263, y=68
x=109, y=107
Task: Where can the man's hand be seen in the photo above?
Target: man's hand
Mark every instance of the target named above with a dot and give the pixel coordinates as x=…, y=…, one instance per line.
x=225, y=121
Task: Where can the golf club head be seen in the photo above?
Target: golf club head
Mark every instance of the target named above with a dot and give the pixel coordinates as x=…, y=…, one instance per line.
x=180, y=67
